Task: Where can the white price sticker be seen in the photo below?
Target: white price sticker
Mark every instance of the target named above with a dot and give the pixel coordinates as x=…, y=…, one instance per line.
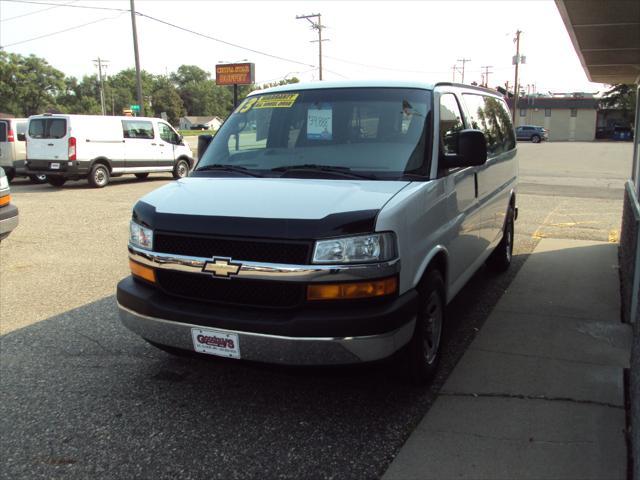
x=320, y=123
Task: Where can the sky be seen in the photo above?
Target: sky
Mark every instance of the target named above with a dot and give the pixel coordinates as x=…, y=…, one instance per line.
x=384, y=39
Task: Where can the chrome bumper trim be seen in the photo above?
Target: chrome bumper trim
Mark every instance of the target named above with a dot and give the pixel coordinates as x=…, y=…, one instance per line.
x=269, y=271
x=276, y=349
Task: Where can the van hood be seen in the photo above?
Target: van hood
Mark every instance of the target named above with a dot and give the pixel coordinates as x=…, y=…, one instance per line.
x=266, y=207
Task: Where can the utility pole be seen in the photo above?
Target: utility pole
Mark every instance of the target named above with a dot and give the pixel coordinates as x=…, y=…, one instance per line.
x=100, y=62
x=453, y=69
x=463, y=60
x=486, y=74
x=135, y=51
x=516, y=88
x=316, y=26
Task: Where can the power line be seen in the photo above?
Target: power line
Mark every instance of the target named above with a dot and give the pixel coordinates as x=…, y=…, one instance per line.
x=36, y=11
x=223, y=41
x=58, y=32
x=68, y=5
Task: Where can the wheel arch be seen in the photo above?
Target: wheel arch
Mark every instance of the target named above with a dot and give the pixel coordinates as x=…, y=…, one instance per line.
x=102, y=161
x=437, y=259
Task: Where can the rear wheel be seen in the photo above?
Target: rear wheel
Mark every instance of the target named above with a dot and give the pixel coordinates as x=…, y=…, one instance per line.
x=421, y=356
x=56, y=181
x=38, y=179
x=181, y=169
x=500, y=258
x=535, y=139
x=142, y=176
x=99, y=176
x=11, y=174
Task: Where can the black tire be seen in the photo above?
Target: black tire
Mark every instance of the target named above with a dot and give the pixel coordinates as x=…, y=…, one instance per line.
x=99, y=176
x=141, y=176
x=501, y=257
x=420, y=358
x=10, y=173
x=38, y=179
x=56, y=181
x=535, y=139
x=181, y=169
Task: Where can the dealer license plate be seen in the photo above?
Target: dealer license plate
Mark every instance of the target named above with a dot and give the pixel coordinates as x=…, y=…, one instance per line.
x=215, y=342
x=55, y=166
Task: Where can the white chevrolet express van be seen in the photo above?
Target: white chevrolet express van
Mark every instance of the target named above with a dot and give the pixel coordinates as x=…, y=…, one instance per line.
x=327, y=223
x=72, y=147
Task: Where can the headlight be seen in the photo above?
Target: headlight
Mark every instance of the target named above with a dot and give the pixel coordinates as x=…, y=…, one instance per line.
x=140, y=236
x=377, y=247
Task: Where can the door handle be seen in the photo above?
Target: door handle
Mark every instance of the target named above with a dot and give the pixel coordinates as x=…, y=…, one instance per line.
x=154, y=144
x=161, y=144
x=50, y=144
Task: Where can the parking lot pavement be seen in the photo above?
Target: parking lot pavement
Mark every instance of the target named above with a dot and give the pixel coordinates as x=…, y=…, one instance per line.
x=81, y=397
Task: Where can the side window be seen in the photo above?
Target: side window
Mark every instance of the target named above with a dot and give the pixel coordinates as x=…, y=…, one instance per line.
x=137, y=129
x=166, y=133
x=490, y=115
x=450, y=123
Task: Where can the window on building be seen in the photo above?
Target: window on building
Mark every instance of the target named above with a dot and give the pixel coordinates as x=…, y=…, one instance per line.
x=547, y=112
x=574, y=112
x=523, y=112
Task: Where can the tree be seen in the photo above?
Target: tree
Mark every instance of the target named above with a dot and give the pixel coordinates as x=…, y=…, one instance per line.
x=28, y=85
x=621, y=97
x=165, y=98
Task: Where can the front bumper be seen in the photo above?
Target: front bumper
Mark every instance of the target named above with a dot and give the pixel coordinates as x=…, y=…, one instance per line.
x=306, y=336
x=9, y=220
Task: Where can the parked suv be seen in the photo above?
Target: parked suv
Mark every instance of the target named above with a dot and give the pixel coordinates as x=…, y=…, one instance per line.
x=8, y=211
x=533, y=133
x=327, y=223
x=13, y=149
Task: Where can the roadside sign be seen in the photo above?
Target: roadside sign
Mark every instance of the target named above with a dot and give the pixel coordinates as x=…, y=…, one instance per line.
x=135, y=108
x=235, y=74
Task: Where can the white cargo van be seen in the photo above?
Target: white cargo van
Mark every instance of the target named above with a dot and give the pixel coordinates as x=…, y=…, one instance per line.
x=72, y=147
x=327, y=223
x=13, y=149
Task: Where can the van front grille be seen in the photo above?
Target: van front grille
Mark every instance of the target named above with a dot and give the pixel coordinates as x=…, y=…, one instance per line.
x=258, y=250
x=234, y=291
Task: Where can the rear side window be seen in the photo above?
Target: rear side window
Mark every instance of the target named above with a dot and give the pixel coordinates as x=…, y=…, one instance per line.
x=3, y=131
x=48, y=128
x=137, y=129
x=490, y=115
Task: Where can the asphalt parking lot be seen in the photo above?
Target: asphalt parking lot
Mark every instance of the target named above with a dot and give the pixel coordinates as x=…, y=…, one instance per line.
x=82, y=397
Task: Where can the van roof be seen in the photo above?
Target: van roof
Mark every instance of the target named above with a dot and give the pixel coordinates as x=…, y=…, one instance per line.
x=64, y=115
x=368, y=84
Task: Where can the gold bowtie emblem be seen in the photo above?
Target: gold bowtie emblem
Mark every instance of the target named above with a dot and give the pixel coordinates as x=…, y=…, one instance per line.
x=222, y=267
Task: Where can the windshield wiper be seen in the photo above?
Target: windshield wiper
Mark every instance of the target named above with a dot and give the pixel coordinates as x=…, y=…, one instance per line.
x=228, y=168
x=312, y=167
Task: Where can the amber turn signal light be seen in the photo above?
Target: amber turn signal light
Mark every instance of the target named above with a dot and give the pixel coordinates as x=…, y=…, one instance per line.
x=6, y=200
x=141, y=271
x=344, y=291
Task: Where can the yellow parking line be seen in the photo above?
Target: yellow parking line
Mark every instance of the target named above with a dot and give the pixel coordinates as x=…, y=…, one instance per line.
x=538, y=234
x=614, y=236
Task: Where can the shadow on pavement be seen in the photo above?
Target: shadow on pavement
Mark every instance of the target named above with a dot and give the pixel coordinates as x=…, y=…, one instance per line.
x=82, y=397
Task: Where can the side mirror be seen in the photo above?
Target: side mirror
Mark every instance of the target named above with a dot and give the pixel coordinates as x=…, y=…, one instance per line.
x=203, y=144
x=22, y=137
x=472, y=150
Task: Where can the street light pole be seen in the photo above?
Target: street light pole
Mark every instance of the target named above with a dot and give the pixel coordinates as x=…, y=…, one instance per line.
x=516, y=88
x=135, y=51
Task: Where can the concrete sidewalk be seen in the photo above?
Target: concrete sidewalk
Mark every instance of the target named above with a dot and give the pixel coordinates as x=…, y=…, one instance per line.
x=539, y=393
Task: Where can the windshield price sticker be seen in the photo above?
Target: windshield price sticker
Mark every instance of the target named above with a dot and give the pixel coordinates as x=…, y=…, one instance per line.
x=276, y=100
x=320, y=123
x=246, y=105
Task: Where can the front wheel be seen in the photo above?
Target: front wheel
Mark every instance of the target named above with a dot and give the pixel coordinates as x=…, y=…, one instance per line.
x=500, y=258
x=99, y=176
x=535, y=139
x=55, y=181
x=181, y=169
x=421, y=356
x=38, y=179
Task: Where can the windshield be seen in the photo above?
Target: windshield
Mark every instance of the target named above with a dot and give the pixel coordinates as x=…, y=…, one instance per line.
x=375, y=131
